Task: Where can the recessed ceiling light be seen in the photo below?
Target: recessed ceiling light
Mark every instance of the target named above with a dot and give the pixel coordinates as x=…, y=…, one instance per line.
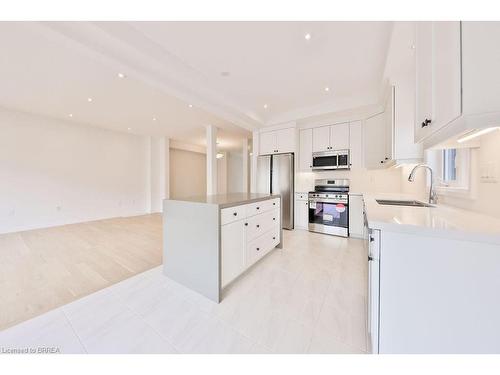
x=190, y=105
x=89, y=99
x=265, y=106
x=121, y=75
x=307, y=36
x=70, y=115
x=219, y=155
x=129, y=129
x=154, y=118
x=327, y=89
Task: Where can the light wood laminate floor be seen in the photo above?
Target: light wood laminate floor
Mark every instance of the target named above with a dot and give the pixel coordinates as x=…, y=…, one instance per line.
x=43, y=269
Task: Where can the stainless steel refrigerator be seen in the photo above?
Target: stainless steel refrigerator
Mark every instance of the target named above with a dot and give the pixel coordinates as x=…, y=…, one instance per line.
x=275, y=176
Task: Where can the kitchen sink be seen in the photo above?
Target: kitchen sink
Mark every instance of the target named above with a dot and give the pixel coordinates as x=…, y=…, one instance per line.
x=408, y=203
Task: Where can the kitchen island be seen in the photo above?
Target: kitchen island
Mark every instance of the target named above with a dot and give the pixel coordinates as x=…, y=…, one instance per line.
x=209, y=241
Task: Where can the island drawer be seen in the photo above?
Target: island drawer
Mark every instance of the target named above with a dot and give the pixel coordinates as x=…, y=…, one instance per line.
x=262, y=245
x=230, y=214
x=259, y=224
x=262, y=206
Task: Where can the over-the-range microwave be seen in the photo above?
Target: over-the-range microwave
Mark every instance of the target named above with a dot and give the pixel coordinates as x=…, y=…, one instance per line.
x=328, y=160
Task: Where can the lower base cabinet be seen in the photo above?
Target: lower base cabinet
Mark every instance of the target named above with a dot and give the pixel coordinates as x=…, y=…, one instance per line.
x=249, y=238
x=233, y=259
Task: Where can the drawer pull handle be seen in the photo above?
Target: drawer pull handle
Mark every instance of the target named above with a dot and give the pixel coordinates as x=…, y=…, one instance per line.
x=246, y=224
x=274, y=203
x=258, y=226
x=258, y=249
x=235, y=213
x=274, y=238
x=258, y=208
x=274, y=218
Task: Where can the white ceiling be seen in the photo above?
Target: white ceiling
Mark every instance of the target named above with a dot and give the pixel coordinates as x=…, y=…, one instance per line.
x=52, y=68
x=272, y=63
x=43, y=73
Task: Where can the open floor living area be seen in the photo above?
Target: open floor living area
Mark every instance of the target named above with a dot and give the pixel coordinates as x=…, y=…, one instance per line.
x=249, y=188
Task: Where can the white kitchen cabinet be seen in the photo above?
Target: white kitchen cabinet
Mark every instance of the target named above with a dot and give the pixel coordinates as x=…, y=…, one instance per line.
x=339, y=136
x=305, y=149
x=446, y=74
x=423, y=47
x=458, y=85
x=285, y=140
x=329, y=138
x=267, y=143
x=374, y=141
x=248, y=232
x=321, y=139
x=233, y=250
x=277, y=141
x=389, y=126
x=301, y=211
x=356, y=219
x=439, y=82
x=356, y=144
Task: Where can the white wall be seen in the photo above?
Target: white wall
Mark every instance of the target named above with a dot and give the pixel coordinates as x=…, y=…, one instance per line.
x=159, y=172
x=484, y=195
x=222, y=174
x=54, y=172
x=361, y=180
x=188, y=173
x=234, y=172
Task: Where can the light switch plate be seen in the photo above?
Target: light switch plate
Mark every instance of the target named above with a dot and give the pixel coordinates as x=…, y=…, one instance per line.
x=489, y=172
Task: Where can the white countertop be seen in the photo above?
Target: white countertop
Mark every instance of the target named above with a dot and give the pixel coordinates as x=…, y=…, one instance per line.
x=440, y=221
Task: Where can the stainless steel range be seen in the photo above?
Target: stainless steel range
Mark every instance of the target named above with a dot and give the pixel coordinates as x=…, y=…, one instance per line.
x=329, y=207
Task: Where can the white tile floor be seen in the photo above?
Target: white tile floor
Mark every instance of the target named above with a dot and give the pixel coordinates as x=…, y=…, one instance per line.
x=306, y=298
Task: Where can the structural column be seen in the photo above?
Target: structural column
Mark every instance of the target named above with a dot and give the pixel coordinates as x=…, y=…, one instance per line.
x=211, y=160
x=244, y=153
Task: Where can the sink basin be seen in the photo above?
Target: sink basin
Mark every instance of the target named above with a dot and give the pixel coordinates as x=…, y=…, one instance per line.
x=391, y=202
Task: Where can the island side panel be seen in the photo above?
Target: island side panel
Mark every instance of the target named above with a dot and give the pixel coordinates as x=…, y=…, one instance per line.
x=191, y=246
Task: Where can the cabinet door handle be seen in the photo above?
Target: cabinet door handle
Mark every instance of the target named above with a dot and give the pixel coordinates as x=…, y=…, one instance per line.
x=258, y=226
x=246, y=224
x=274, y=218
x=386, y=158
x=235, y=213
x=274, y=238
x=274, y=203
x=426, y=122
x=381, y=162
x=258, y=249
x=370, y=258
x=258, y=208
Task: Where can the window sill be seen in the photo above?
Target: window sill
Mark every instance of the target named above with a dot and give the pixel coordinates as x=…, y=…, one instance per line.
x=452, y=191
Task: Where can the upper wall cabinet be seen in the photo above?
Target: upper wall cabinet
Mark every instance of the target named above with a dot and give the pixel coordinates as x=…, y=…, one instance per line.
x=379, y=135
x=458, y=84
x=305, y=149
x=277, y=141
x=334, y=137
x=439, y=82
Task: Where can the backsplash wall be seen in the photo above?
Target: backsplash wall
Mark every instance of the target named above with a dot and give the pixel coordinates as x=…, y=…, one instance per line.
x=361, y=180
x=484, y=195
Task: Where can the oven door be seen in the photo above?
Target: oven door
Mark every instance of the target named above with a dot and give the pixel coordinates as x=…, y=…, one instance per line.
x=329, y=216
x=324, y=160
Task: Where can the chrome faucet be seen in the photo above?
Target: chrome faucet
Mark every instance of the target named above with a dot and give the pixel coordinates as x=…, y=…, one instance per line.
x=432, y=193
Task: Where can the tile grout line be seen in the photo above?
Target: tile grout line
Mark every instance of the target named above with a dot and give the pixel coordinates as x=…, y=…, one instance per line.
x=74, y=331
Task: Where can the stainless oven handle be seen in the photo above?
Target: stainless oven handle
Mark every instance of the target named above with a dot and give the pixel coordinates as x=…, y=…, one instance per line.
x=326, y=200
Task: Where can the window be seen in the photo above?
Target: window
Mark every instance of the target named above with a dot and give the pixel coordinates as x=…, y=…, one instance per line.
x=449, y=165
x=454, y=171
